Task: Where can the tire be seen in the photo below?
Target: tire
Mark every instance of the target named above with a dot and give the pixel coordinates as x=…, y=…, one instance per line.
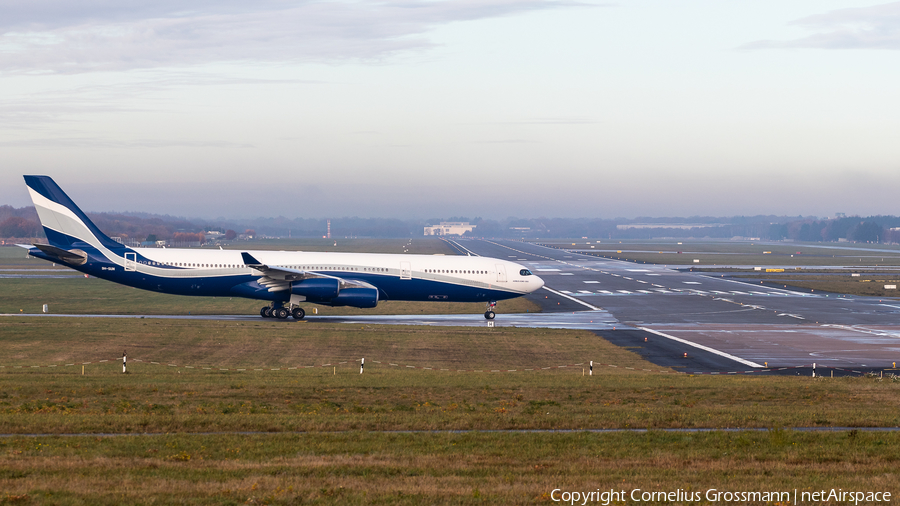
x=265, y=312
x=489, y=315
x=281, y=313
x=298, y=313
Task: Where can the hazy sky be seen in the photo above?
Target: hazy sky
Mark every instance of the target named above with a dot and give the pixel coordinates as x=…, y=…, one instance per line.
x=437, y=108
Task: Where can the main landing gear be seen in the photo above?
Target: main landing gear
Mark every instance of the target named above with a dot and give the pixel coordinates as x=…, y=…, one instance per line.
x=489, y=314
x=282, y=313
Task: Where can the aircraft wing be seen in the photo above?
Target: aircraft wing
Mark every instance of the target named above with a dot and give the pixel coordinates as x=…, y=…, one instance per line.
x=276, y=273
x=280, y=278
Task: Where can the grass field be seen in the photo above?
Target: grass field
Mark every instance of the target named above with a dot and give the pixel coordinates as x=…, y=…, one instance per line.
x=344, y=454
x=412, y=469
x=177, y=394
x=865, y=284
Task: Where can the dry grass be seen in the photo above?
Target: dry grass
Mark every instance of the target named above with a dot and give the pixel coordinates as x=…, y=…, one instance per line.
x=359, y=466
x=369, y=468
x=44, y=341
x=868, y=284
x=178, y=394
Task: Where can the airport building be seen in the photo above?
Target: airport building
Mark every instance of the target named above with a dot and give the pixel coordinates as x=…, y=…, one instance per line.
x=449, y=228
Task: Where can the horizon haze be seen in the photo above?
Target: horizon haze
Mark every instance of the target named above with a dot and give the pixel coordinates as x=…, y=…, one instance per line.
x=416, y=109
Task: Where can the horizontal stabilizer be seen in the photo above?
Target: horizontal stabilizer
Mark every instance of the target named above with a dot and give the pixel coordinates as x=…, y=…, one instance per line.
x=75, y=257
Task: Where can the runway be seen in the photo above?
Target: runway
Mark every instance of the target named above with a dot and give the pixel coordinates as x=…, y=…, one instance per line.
x=756, y=323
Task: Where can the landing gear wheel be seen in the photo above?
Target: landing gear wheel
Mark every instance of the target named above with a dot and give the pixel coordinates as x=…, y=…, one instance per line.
x=280, y=313
x=265, y=312
x=298, y=313
x=489, y=314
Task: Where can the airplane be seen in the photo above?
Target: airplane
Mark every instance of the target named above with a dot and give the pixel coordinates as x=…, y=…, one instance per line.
x=284, y=278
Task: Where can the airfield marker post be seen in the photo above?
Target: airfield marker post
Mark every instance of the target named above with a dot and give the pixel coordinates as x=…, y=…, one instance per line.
x=362, y=364
x=124, y=360
x=814, y=370
x=591, y=369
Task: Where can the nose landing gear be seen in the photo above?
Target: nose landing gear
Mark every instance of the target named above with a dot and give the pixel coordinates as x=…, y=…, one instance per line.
x=489, y=314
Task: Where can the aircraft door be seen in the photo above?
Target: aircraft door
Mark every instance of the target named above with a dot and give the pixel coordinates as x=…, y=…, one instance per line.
x=405, y=270
x=130, y=261
x=501, y=273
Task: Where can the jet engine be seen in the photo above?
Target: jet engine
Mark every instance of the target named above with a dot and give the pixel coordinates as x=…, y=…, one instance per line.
x=336, y=292
x=356, y=297
x=317, y=288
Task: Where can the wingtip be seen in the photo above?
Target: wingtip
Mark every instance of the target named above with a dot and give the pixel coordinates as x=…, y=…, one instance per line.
x=249, y=260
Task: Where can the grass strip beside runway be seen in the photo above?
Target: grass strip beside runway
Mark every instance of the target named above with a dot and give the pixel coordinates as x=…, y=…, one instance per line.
x=377, y=468
x=368, y=466
x=306, y=377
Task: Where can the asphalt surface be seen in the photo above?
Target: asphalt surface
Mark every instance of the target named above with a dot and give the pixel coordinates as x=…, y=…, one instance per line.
x=760, y=324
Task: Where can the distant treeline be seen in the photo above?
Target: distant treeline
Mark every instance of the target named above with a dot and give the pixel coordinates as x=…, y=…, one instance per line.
x=139, y=227
x=19, y=222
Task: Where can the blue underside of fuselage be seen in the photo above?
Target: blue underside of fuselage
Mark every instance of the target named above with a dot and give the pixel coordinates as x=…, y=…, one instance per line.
x=247, y=286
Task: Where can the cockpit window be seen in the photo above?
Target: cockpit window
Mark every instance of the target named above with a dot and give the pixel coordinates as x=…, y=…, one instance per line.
x=524, y=272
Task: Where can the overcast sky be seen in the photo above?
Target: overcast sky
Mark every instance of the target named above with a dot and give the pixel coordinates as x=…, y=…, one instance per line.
x=488, y=108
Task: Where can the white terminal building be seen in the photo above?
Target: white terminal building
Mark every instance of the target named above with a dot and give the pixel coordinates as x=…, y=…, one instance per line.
x=449, y=228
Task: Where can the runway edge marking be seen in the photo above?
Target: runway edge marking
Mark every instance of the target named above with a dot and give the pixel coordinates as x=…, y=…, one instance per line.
x=704, y=348
x=583, y=303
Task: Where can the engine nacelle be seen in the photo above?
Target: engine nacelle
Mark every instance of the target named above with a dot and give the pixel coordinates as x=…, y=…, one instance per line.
x=317, y=288
x=356, y=297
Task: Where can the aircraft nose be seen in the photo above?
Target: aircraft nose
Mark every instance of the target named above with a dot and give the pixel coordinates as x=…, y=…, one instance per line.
x=538, y=283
